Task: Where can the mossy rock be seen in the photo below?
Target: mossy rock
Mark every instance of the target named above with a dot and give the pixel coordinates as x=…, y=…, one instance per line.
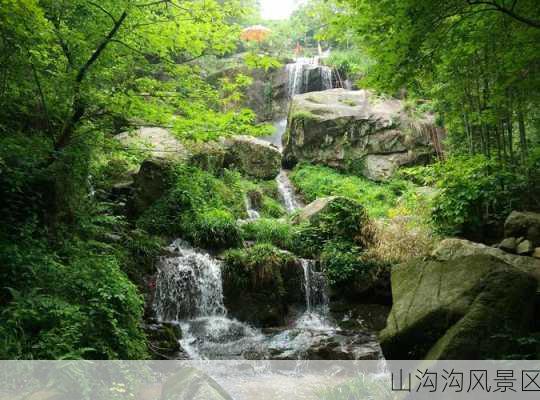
x=192, y=384
x=457, y=309
x=260, y=283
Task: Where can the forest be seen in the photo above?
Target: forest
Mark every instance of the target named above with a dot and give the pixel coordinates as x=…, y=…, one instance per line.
x=370, y=167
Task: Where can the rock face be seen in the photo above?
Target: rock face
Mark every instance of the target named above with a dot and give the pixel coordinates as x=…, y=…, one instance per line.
x=355, y=130
x=261, y=283
x=523, y=224
x=449, y=249
x=252, y=156
x=461, y=308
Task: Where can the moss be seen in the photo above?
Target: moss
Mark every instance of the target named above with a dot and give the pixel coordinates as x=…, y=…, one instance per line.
x=302, y=116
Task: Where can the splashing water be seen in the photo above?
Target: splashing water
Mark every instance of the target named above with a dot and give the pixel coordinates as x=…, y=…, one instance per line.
x=299, y=75
x=188, y=284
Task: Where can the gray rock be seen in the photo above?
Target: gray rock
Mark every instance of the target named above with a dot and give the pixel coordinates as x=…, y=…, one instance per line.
x=449, y=249
x=252, y=156
x=509, y=244
x=526, y=224
x=357, y=131
x=460, y=308
x=160, y=143
x=536, y=253
x=525, y=248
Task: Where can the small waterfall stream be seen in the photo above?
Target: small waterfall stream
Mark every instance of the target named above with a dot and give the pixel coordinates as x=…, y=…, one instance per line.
x=189, y=289
x=306, y=70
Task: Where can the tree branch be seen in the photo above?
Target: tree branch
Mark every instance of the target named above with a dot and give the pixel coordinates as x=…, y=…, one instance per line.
x=78, y=105
x=508, y=11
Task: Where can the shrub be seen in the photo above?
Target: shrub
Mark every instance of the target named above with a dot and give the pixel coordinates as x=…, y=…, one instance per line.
x=346, y=264
x=198, y=201
x=476, y=195
x=76, y=303
x=214, y=228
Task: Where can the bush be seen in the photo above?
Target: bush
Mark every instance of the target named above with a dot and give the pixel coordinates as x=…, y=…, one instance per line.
x=342, y=219
x=199, y=207
x=276, y=232
x=475, y=195
x=344, y=263
x=214, y=228
x=76, y=303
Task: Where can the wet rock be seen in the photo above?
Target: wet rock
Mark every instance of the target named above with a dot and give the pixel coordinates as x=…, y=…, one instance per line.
x=163, y=340
x=525, y=248
x=317, y=344
x=192, y=384
x=525, y=224
x=536, y=253
x=252, y=156
x=150, y=183
x=357, y=131
x=509, y=244
x=461, y=308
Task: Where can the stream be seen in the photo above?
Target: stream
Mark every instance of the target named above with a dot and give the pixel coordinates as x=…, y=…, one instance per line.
x=189, y=292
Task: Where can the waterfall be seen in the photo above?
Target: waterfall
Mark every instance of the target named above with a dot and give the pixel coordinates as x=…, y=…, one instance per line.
x=188, y=284
x=252, y=213
x=314, y=286
x=286, y=192
x=305, y=69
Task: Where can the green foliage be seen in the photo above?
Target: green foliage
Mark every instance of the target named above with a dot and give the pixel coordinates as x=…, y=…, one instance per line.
x=200, y=207
x=74, y=303
x=265, y=230
x=257, y=266
x=351, y=62
x=341, y=261
x=475, y=194
x=214, y=228
x=378, y=198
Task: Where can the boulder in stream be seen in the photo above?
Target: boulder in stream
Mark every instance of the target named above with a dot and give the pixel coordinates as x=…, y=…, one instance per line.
x=261, y=283
x=359, y=132
x=525, y=225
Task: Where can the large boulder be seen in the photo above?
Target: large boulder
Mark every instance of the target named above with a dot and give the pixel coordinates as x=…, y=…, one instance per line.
x=158, y=142
x=252, y=156
x=449, y=249
x=261, y=283
x=463, y=308
x=355, y=130
x=523, y=224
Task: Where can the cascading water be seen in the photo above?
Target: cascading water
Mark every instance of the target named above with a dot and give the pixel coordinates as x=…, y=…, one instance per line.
x=286, y=192
x=188, y=284
x=307, y=74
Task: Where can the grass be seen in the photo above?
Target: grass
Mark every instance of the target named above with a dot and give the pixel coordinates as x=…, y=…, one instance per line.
x=378, y=198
